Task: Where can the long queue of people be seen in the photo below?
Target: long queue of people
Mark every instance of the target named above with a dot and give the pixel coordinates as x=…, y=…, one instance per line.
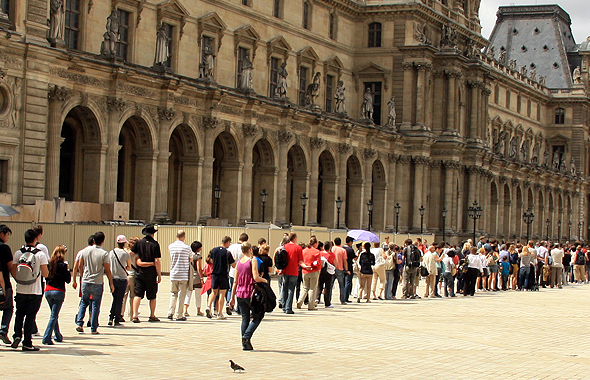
x=235, y=278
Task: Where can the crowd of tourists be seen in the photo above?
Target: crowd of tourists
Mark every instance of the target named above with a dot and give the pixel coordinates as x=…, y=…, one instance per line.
x=236, y=278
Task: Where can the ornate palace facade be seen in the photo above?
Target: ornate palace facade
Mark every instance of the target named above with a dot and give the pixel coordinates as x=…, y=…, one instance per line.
x=389, y=101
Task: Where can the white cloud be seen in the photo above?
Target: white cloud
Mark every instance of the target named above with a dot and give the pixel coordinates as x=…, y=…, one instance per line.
x=578, y=10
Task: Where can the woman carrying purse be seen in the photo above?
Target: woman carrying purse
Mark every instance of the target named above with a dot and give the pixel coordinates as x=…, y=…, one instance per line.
x=195, y=279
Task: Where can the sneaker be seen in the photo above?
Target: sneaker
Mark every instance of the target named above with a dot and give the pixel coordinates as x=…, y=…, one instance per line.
x=289, y=312
x=117, y=324
x=48, y=343
x=30, y=348
x=110, y=322
x=80, y=329
x=16, y=342
x=4, y=338
x=330, y=307
x=208, y=313
x=221, y=317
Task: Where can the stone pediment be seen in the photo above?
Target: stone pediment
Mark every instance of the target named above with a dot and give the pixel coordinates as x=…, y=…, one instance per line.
x=278, y=45
x=371, y=70
x=307, y=55
x=174, y=10
x=246, y=35
x=213, y=24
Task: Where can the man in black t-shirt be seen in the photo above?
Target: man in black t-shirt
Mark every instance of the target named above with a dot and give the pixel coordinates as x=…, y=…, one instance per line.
x=350, y=256
x=149, y=272
x=6, y=268
x=222, y=259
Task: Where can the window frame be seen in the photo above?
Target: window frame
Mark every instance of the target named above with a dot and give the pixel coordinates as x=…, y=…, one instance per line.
x=306, y=15
x=333, y=26
x=239, y=61
x=128, y=42
x=273, y=72
x=560, y=116
x=375, y=36
x=329, y=93
x=68, y=29
x=277, y=9
x=377, y=106
x=303, y=82
x=4, y=174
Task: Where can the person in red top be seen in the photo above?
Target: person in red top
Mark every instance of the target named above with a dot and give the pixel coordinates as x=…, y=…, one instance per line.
x=326, y=273
x=312, y=263
x=290, y=273
x=342, y=270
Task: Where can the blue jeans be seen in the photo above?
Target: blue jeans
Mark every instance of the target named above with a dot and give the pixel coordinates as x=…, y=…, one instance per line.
x=288, y=291
x=348, y=285
x=94, y=290
x=55, y=299
x=389, y=280
x=7, y=309
x=248, y=327
x=120, y=286
x=523, y=276
x=340, y=274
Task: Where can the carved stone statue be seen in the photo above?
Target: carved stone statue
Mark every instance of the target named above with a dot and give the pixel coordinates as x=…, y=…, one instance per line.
x=513, y=148
x=536, y=151
x=340, y=97
x=499, y=145
x=448, y=37
x=392, y=114
x=543, y=80
x=56, y=21
x=577, y=75
x=524, y=151
x=162, y=47
x=491, y=53
x=546, y=157
x=573, y=166
x=533, y=75
x=502, y=59
x=421, y=34
x=246, y=75
x=207, y=62
x=111, y=36
x=313, y=91
x=523, y=71
x=562, y=164
x=512, y=64
x=555, y=161
x=471, y=50
x=18, y=103
x=367, y=107
x=281, y=90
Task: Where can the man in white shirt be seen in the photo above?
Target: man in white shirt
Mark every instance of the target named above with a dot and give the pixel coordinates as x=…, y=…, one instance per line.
x=180, y=256
x=557, y=254
x=28, y=296
x=429, y=262
x=542, y=258
x=236, y=251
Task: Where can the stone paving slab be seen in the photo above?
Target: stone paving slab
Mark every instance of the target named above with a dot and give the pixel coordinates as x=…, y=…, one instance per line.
x=510, y=335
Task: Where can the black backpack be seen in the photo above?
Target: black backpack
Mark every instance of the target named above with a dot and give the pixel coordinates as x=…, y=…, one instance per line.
x=414, y=256
x=281, y=259
x=580, y=258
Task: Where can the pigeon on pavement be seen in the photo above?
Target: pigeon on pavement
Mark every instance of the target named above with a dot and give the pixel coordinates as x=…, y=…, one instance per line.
x=236, y=367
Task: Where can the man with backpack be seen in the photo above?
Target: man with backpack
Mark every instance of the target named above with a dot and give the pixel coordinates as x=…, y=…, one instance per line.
x=30, y=265
x=412, y=258
x=580, y=265
x=6, y=264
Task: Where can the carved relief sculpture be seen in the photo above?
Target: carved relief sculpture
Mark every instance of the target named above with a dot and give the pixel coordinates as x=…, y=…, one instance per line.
x=543, y=80
x=367, y=107
x=524, y=151
x=108, y=47
x=449, y=37
x=56, y=22
x=281, y=90
x=523, y=71
x=420, y=34
x=392, y=114
x=313, y=91
x=340, y=97
x=546, y=157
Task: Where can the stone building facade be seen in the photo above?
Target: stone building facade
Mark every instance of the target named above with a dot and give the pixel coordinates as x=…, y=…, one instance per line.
x=174, y=98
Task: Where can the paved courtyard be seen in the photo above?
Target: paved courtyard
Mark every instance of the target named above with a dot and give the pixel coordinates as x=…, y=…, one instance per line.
x=521, y=335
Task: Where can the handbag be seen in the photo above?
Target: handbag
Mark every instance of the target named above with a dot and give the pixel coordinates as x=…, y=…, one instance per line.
x=197, y=284
x=389, y=262
x=424, y=271
x=453, y=271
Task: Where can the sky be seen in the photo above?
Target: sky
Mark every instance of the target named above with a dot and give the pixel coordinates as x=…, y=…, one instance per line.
x=579, y=11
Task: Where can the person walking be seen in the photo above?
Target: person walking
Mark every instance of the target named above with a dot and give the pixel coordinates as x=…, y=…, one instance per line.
x=579, y=259
x=378, y=271
x=349, y=274
x=28, y=294
x=195, y=279
x=130, y=290
x=326, y=275
x=55, y=292
x=6, y=267
x=180, y=258
x=246, y=275
x=429, y=262
x=310, y=269
x=290, y=273
x=149, y=272
x=557, y=254
x=366, y=262
x=412, y=259
x=120, y=261
x=474, y=269
x=341, y=264
x=449, y=273
x=222, y=260
x=95, y=262
x=236, y=251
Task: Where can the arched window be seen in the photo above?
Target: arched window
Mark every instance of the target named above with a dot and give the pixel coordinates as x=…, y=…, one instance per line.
x=375, y=34
x=559, y=116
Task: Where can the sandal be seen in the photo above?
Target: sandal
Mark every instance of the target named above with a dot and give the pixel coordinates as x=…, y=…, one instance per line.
x=154, y=319
x=135, y=320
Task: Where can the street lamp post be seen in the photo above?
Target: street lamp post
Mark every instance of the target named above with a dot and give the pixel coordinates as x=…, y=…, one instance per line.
x=559, y=231
x=397, y=208
x=474, y=212
x=580, y=225
x=547, y=223
x=338, y=207
x=304, y=199
x=217, y=195
x=421, y=209
x=444, y=217
x=370, y=207
x=569, y=233
x=528, y=218
x=263, y=199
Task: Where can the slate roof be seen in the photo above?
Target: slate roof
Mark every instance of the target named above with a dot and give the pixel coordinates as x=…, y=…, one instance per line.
x=538, y=36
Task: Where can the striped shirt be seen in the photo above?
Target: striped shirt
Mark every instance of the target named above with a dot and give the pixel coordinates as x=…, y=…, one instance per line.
x=180, y=255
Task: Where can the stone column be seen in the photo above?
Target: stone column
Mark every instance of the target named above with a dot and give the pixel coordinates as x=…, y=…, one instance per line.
x=367, y=188
x=145, y=186
x=500, y=227
x=419, y=166
x=450, y=195
x=246, y=203
x=191, y=171
x=56, y=98
x=408, y=100
x=421, y=85
x=161, y=214
x=473, y=111
x=312, y=213
x=209, y=124
x=344, y=150
x=402, y=191
x=284, y=138
x=114, y=109
x=451, y=93
x=390, y=199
